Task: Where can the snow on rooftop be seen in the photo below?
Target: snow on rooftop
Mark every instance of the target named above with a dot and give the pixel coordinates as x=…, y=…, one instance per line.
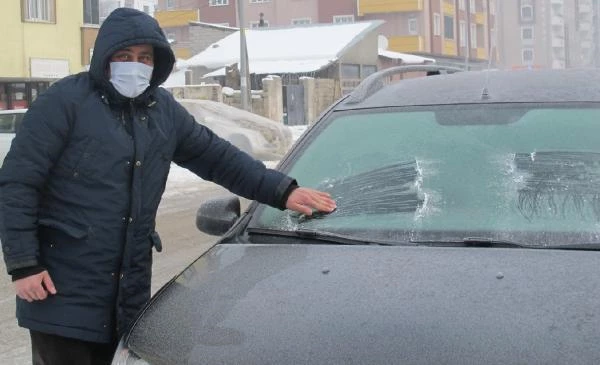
x=214, y=25
x=288, y=66
x=406, y=58
x=306, y=48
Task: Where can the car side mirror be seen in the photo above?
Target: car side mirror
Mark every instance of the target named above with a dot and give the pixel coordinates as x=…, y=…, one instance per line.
x=217, y=216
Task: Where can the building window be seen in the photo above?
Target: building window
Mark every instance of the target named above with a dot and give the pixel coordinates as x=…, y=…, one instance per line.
x=527, y=55
x=218, y=2
x=448, y=27
x=368, y=70
x=436, y=24
x=472, y=6
x=91, y=12
x=301, y=21
x=527, y=12
x=256, y=24
x=259, y=1
x=461, y=4
x=462, y=33
x=171, y=4
x=473, y=35
x=350, y=71
x=527, y=33
x=492, y=7
x=146, y=9
x=412, y=26
x=38, y=10
x=339, y=19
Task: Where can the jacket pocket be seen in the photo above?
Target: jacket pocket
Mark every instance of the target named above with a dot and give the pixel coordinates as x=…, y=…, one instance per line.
x=156, y=242
x=67, y=229
x=86, y=165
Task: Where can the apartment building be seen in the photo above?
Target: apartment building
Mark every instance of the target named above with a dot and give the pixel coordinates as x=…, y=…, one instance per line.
x=549, y=33
x=107, y=6
x=257, y=13
x=221, y=12
x=45, y=41
x=457, y=32
x=453, y=32
x=339, y=11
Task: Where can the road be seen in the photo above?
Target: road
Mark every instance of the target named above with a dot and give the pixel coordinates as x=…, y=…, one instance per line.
x=182, y=243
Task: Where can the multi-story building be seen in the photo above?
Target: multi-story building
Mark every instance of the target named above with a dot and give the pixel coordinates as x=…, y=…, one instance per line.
x=548, y=33
x=275, y=13
x=451, y=31
x=596, y=32
x=45, y=40
x=107, y=6
x=454, y=32
x=339, y=11
x=221, y=12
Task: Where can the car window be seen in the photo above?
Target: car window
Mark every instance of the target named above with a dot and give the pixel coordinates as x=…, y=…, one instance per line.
x=9, y=123
x=511, y=171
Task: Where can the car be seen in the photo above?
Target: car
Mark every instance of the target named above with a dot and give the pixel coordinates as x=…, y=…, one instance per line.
x=262, y=138
x=467, y=231
x=10, y=120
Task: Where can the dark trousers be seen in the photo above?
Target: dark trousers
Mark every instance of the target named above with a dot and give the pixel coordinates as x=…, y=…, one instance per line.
x=56, y=350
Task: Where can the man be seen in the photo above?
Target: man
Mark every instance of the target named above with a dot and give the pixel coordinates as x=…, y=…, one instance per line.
x=81, y=185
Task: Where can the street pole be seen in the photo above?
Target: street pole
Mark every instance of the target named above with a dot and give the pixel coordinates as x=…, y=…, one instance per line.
x=468, y=53
x=244, y=68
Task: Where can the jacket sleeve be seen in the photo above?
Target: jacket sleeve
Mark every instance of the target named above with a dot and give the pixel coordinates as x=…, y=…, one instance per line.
x=213, y=158
x=36, y=147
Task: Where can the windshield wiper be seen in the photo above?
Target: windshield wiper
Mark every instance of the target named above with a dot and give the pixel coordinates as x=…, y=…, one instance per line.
x=320, y=236
x=490, y=242
x=472, y=242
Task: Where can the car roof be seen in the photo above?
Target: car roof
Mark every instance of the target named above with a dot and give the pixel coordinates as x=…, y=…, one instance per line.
x=13, y=111
x=537, y=86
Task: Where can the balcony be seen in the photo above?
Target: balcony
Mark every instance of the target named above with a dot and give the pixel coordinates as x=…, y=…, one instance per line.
x=585, y=8
x=557, y=20
x=557, y=42
x=449, y=9
x=585, y=26
x=450, y=47
x=482, y=53
x=480, y=18
x=413, y=43
x=176, y=18
x=388, y=6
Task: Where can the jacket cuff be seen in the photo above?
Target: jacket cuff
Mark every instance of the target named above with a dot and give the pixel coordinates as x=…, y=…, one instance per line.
x=24, y=272
x=293, y=186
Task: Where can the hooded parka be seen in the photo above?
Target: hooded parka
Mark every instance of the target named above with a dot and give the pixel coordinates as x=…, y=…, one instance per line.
x=81, y=184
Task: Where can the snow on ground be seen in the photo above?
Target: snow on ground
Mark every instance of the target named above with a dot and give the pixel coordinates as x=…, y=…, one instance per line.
x=181, y=180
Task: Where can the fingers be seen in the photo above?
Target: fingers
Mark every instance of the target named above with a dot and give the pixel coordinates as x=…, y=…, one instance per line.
x=300, y=208
x=306, y=200
x=33, y=287
x=48, y=284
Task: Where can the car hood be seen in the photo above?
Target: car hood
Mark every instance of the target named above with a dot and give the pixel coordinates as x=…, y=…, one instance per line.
x=313, y=304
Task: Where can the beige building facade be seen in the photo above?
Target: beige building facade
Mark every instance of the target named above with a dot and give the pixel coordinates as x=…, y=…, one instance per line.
x=45, y=41
x=549, y=33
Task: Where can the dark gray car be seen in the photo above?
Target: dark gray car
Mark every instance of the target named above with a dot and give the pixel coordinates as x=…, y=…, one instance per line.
x=467, y=232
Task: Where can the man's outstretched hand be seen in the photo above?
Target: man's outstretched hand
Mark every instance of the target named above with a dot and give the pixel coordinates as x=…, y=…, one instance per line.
x=306, y=201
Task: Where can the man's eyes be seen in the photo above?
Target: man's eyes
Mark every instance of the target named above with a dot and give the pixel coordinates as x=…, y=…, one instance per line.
x=122, y=57
x=128, y=58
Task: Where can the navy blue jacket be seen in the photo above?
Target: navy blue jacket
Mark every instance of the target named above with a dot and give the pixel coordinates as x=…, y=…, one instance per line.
x=79, y=193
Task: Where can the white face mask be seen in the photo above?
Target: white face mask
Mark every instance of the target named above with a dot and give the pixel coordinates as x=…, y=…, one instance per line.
x=130, y=79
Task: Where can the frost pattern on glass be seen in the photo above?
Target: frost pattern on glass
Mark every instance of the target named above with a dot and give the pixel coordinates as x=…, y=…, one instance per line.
x=558, y=184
